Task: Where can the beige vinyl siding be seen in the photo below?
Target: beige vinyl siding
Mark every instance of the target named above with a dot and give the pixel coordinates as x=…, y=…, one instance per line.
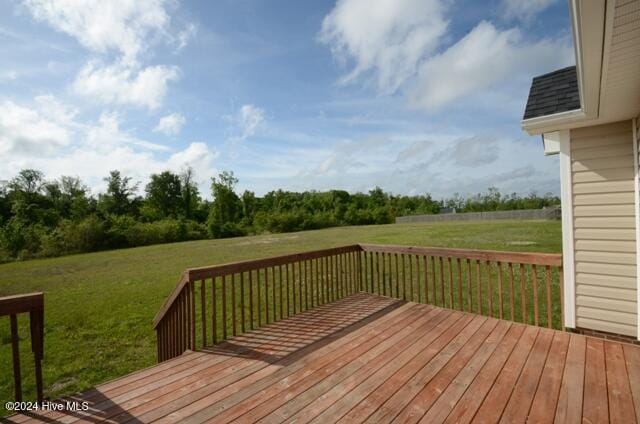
x=602, y=166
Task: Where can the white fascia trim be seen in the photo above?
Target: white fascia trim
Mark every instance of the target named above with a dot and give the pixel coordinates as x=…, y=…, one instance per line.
x=568, y=263
x=634, y=131
x=546, y=123
x=576, y=26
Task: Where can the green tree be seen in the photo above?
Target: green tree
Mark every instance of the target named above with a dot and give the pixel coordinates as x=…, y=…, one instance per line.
x=120, y=196
x=28, y=181
x=190, y=194
x=28, y=203
x=5, y=203
x=75, y=198
x=164, y=194
x=250, y=206
x=226, y=208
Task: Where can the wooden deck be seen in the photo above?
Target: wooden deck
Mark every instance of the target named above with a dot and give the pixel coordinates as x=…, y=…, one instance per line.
x=376, y=359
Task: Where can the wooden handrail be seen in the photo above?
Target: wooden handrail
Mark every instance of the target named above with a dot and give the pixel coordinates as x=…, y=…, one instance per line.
x=184, y=280
x=530, y=258
x=195, y=274
x=33, y=304
x=249, y=265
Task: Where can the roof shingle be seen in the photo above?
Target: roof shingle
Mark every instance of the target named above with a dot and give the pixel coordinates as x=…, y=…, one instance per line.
x=552, y=93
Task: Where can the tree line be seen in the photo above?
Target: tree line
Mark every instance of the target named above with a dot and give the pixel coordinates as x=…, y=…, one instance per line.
x=43, y=218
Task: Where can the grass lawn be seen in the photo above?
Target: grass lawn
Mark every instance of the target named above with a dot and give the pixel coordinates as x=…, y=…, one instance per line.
x=99, y=306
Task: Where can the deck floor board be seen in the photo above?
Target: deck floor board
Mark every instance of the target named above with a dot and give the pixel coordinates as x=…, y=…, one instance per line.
x=370, y=358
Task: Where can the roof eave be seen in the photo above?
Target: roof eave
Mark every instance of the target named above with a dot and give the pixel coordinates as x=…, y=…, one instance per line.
x=546, y=123
x=588, y=51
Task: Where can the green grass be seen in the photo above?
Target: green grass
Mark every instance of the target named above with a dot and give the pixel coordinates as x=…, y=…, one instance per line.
x=99, y=306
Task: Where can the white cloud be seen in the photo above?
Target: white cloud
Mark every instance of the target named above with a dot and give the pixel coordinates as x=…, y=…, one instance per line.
x=367, y=154
x=185, y=36
x=47, y=135
x=484, y=58
x=51, y=108
x=170, y=124
x=424, y=167
x=251, y=117
x=246, y=122
x=25, y=131
x=524, y=10
x=403, y=45
x=413, y=150
x=474, y=152
x=123, y=83
x=93, y=165
x=100, y=26
x=127, y=28
x=201, y=158
x=8, y=75
x=108, y=135
x=385, y=38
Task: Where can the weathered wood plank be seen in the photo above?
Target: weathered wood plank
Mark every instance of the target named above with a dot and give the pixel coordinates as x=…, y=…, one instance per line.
x=369, y=394
x=494, y=403
x=437, y=359
x=465, y=393
x=423, y=400
x=621, y=408
x=632, y=360
x=595, y=407
x=376, y=370
x=543, y=408
x=213, y=400
x=298, y=393
x=569, y=407
x=517, y=408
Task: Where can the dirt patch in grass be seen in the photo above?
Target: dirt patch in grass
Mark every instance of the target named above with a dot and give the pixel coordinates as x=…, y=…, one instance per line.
x=268, y=240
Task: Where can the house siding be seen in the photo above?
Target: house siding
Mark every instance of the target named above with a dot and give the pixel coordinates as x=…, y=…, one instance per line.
x=603, y=186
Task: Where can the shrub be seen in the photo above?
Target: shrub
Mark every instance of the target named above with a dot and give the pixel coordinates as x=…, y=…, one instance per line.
x=87, y=235
x=20, y=240
x=226, y=230
x=53, y=244
x=195, y=230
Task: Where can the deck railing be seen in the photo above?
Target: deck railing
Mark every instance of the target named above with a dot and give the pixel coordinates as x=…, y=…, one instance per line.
x=211, y=304
x=33, y=304
x=518, y=286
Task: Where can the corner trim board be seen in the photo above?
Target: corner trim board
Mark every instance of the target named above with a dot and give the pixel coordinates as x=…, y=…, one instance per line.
x=636, y=140
x=568, y=246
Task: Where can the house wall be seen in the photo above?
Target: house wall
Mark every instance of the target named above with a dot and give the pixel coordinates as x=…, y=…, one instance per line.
x=604, y=228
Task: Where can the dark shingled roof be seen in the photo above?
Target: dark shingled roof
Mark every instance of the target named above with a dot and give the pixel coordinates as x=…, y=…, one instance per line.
x=553, y=93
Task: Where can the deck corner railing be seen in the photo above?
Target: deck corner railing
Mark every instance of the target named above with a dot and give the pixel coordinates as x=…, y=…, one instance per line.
x=211, y=304
x=32, y=304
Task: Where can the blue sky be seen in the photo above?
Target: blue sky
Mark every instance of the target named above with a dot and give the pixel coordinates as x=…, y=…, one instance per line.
x=414, y=96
